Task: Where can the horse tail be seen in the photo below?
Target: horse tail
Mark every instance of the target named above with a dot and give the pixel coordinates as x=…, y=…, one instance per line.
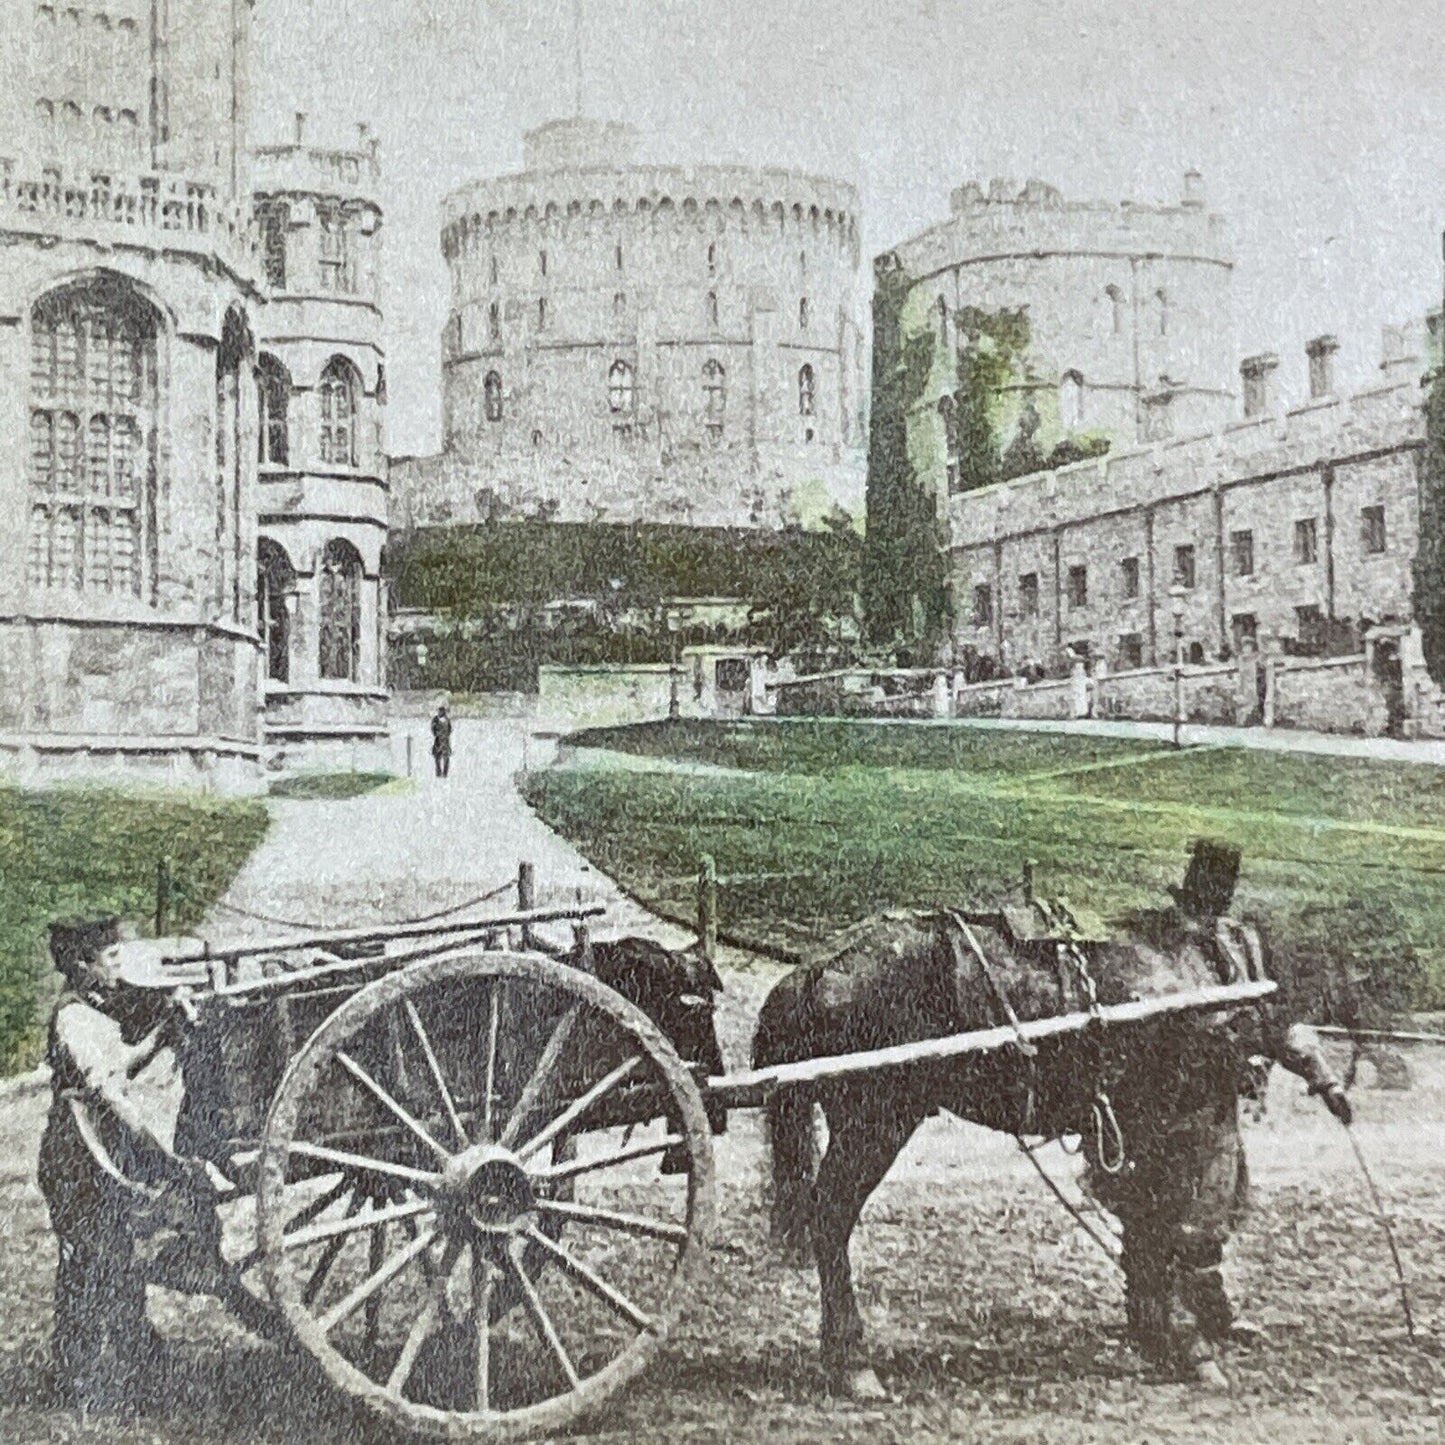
x=789, y=1145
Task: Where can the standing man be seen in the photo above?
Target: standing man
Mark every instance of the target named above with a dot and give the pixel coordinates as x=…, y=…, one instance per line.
x=441, y=741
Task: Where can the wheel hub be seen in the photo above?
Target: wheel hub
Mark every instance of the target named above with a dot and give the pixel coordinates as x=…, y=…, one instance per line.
x=490, y=1188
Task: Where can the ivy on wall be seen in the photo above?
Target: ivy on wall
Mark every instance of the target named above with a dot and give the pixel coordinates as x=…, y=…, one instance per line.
x=1430, y=552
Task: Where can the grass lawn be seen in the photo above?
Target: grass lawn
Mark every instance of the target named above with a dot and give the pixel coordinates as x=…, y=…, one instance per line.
x=329, y=787
x=90, y=852
x=830, y=821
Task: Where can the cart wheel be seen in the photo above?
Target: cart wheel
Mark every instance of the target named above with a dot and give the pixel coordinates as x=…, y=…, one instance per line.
x=462, y=1214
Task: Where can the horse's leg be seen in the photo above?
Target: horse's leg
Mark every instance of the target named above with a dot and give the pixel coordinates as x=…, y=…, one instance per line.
x=864, y=1138
x=793, y=1147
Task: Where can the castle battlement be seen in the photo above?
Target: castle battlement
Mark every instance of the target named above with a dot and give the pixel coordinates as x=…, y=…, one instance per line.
x=299, y=168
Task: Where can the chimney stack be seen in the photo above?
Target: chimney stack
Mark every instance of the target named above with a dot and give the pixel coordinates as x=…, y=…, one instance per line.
x=1321, y=353
x=1257, y=374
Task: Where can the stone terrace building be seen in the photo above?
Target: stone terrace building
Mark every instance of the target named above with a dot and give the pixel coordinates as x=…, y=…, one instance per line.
x=1291, y=530
x=645, y=342
x=323, y=490
x=1129, y=307
x=128, y=318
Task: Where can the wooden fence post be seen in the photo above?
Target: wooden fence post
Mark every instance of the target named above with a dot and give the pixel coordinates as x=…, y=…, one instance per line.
x=163, y=896
x=707, y=907
x=526, y=897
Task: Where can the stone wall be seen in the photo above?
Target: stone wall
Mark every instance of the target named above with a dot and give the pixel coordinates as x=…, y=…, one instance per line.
x=1102, y=540
x=1332, y=694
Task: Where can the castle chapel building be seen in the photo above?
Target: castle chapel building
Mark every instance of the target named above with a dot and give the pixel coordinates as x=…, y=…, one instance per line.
x=631, y=342
x=131, y=397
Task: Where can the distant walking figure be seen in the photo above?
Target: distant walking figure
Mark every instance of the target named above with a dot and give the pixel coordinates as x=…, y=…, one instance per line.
x=441, y=741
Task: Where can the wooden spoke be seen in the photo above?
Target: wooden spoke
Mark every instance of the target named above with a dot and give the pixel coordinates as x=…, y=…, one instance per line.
x=319, y=1205
x=328, y=1257
x=348, y=1306
x=578, y=1107
x=589, y=1279
x=434, y=1064
x=541, y=1318
x=370, y=1084
x=571, y=1167
x=425, y=1322
x=372, y=1219
x=376, y=1255
x=541, y=1077
x=628, y=1223
x=493, y=1027
x=482, y=1281
x=361, y=1163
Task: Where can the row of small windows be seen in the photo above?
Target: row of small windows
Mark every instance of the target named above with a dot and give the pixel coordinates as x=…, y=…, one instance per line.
x=1374, y=541
x=712, y=262
x=339, y=393
x=1114, y=306
x=622, y=395
x=494, y=310
x=70, y=117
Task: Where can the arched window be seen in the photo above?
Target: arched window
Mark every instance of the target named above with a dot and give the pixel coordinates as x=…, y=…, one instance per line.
x=802, y=263
x=273, y=218
x=335, y=249
x=712, y=312
x=339, y=387
x=492, y=397
x=340, y=580
x=1071, y=401
x=273, y=393
x=948, y=421
x=494, y=269
x=494, y=321
x=275, y=588
x=712, y=258
x=714, y=398
x=234, y=358
x=541, y=313
x=621, y=398
x=93, y=461
x=542, y=263
x=803, y=313
x=1161, y=302
x=1114, y=299
x=617, y=255
x=619, y=306
x=807, y=391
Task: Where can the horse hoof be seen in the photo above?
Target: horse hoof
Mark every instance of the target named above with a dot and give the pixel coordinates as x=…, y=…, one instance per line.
x=1208, y=1376
x=863, y=1387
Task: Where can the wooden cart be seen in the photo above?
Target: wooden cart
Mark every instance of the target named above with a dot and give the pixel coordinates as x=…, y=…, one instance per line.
x=466, y=1178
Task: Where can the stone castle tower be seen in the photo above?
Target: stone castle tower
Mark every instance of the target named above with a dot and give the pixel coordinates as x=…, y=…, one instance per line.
x=129, y=297
x=1129, y=307
x=639, y=342
x=323, y=491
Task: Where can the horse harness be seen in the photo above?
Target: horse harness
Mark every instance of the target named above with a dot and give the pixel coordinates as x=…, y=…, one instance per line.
x=1069, y=959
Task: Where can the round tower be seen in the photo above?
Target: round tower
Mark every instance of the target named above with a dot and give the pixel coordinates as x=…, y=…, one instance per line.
x=630, y=341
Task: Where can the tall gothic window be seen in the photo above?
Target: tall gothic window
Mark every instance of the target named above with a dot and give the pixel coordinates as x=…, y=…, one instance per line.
x=807, y=391
x=712, y=312
x=621, y=398
x=273, y=218
x=492, y=397
x=232, y=464
x=1114, y=298
x=339, y=387
x=714, y=397
x=335, y=250
x=93, y=417
x=340, y=612
x=275, y=585
x=494, y=322
x=802, y=313
x=273, y=393
x=1161, y=303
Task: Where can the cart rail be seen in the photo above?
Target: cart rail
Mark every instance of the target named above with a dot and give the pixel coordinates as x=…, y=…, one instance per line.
x=755, y=1087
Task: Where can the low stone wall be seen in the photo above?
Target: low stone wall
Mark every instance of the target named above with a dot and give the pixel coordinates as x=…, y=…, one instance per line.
x=576, y=697
x=1329, y=694
x=1051, y=700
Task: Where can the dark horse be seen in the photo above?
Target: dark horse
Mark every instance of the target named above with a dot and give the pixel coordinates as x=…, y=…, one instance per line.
x=1155, y=1103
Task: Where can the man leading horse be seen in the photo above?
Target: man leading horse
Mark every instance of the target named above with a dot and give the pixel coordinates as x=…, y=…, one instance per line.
x=1156, y=1102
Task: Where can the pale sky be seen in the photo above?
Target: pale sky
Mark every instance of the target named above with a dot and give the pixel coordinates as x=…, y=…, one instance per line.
x=1319, y=126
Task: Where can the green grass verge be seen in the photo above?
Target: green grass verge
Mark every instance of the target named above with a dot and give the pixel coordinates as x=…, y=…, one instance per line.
x=329, y=786
x=88, y=852
x=835, y=820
